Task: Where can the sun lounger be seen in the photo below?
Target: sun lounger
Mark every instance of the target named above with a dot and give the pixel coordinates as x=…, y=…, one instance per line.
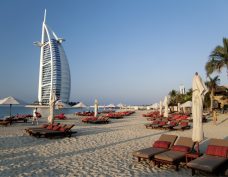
x=170, y=125
x=155, y=122
x=216, y=155
x=166, y=141
x=160, y=124
x=52, y=131
x=115, y=116
x=5, y=122
x=20, y=119
x=226, y=172
x=89, y=119
x=60, y=116
x=99, y=120
x=42, y=127
x=183, y=125
x=176, y=154
x=88, y=113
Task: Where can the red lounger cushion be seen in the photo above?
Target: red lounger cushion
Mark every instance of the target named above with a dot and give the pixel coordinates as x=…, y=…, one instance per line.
x=184, y=124
x=156, y=122
x=56, y=127
x=180, y=148
x=49, y=127
x=173, y=123
x=44, y=126
x=162, y=123
x=62, y=129
x=217, y=150
x=161, y=144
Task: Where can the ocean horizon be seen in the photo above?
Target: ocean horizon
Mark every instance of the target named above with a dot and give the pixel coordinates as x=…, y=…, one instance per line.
x=18, y=109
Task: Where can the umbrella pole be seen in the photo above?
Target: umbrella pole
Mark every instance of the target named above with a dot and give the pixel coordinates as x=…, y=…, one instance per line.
x=10, y=109
x=197, y=147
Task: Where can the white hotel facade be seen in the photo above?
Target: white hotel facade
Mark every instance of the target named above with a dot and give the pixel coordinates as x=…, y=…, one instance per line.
x=54, y=73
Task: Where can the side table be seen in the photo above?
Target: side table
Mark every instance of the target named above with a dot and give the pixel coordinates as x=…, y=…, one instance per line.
x=191, y=156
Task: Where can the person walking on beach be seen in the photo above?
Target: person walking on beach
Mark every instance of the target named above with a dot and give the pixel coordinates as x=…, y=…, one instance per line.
x=214, y=116
x=214, y=112
x=35, y=118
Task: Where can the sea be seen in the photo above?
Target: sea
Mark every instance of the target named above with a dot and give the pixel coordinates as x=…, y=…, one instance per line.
x=18, y=109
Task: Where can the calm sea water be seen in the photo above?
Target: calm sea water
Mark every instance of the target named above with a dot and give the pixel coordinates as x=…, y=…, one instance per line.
x=5, y=110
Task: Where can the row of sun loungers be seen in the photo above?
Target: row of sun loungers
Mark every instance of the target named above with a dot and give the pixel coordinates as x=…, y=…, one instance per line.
x=60, y=116
x=51, y=130
x=96, y=120
x=87, y=113
x=172, y=117
x=169, y=149
x=170, y=125
x=152, y=114
x=18, y=118
x=119, y=115
x=106, y=117
x=176, y=117
x=5, y=122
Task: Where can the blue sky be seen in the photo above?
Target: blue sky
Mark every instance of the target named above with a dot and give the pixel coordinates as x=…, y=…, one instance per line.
x=129, y=51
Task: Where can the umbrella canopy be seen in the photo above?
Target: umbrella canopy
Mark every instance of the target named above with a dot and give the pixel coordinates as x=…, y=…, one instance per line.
x=155, y=106
x=110, y=106
x=187, y=104
x=120, y=105
x=60, y=105
x=79, y=105
x=95, y=108
x=166, y=113
x=199, y=90
x=160, y=107
x=9, y=101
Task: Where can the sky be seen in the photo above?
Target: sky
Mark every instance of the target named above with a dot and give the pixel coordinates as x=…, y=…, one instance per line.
x=128, y=51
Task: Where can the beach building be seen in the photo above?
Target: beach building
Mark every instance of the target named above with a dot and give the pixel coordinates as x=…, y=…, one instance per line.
x=54, y=73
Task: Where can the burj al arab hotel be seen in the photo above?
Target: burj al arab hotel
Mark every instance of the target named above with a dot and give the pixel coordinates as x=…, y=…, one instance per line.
x=54, y=73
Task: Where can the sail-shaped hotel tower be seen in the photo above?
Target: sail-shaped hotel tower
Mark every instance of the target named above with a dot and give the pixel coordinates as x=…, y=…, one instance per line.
x=54, y=71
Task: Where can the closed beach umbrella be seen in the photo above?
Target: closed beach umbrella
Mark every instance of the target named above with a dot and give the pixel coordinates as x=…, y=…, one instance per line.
x=52, y=108
x=178, y=107
x=95, y=108
x=160, y=107
x=198, y=92
x=9, y=101
x=166, y=113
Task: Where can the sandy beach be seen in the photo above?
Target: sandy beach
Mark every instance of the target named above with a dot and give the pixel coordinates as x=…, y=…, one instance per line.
x=96, y=150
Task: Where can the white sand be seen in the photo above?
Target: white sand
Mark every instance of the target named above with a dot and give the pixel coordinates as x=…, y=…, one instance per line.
x=96, y=150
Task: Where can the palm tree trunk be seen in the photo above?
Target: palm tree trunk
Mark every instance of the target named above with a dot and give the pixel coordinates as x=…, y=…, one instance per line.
x=212, y=99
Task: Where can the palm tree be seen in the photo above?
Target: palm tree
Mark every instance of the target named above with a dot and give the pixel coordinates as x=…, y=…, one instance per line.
x=172, y=94
x=212, y=84
x=218, y=58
